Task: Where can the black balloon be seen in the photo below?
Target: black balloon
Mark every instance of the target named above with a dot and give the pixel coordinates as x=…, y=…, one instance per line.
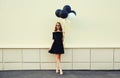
x=67, y=8
x=63, y=14
x=72, y=11
x=57, y=12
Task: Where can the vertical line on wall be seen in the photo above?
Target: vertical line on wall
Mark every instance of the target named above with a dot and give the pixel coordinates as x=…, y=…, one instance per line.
x=72, y=58
x=113, y=57
x=2, y=60
x=90, y=58
x=22, y=57
x=3, y=55
x=40, y=58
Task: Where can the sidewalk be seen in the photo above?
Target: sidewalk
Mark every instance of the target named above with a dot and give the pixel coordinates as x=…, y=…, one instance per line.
x=52, y=74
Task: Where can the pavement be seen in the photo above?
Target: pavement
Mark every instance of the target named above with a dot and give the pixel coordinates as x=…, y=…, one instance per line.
x=67, y=74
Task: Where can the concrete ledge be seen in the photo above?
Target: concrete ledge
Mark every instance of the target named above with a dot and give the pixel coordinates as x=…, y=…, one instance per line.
x=73, y=59
x=65, y=46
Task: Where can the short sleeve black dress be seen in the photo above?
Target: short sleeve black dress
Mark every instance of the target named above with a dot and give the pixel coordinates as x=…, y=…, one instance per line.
x=57, y=46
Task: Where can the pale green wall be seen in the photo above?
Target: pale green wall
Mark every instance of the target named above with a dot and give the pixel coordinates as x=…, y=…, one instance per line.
x=30, y=22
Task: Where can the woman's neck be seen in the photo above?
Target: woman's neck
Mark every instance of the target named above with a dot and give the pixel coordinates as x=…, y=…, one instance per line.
x=58, y=31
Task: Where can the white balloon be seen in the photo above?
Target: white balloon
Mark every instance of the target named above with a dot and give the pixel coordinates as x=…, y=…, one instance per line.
x=71, y=16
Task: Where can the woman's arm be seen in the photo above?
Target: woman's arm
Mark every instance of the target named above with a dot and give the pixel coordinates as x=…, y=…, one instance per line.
x=63, y=36
x=51, y=45
x=52, y=40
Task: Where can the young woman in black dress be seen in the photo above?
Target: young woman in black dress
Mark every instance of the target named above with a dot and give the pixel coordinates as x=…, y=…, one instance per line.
x=57, y=47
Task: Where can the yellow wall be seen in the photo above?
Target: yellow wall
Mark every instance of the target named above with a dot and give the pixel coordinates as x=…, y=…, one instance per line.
x=30, y=22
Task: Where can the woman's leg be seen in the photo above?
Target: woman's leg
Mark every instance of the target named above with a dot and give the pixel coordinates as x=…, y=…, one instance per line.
x=58, y=66
x=57, y=63
x=57, y=60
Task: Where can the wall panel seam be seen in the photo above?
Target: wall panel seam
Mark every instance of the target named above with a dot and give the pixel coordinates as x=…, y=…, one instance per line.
x=40, y=58
x=72, y=58
x=113, y=58
x=90, y=58
x=3, y=59
x=22, y=57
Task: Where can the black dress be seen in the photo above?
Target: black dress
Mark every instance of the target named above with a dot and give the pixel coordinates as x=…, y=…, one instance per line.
x=57, y=46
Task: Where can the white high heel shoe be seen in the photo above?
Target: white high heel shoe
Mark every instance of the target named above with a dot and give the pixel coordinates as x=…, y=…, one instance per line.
x=61, y=72
x=57, y=71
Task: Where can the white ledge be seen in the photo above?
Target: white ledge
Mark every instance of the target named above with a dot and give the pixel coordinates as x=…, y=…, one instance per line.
x=66, y=46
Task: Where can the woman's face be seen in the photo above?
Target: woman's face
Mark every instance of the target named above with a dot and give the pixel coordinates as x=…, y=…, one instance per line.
x=58, y=26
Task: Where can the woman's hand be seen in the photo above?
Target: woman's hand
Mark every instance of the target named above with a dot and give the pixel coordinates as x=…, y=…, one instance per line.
x=49, y=49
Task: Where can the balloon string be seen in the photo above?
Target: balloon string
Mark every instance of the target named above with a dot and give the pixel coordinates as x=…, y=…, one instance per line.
x=64, y=29
x=64, y=21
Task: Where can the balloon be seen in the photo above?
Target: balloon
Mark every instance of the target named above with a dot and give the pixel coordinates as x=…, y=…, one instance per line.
x=71, y=15
x=72, y=11
x=57, y=13
x=63, y=14
x=67, y=8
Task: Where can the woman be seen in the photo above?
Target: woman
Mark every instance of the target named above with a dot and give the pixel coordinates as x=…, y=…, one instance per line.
x=57, y=46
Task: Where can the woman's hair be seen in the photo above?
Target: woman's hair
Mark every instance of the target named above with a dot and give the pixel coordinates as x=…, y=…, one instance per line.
x=59, y=25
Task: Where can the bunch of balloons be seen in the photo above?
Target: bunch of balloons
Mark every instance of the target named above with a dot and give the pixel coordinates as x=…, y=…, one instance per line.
x=65, y=13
